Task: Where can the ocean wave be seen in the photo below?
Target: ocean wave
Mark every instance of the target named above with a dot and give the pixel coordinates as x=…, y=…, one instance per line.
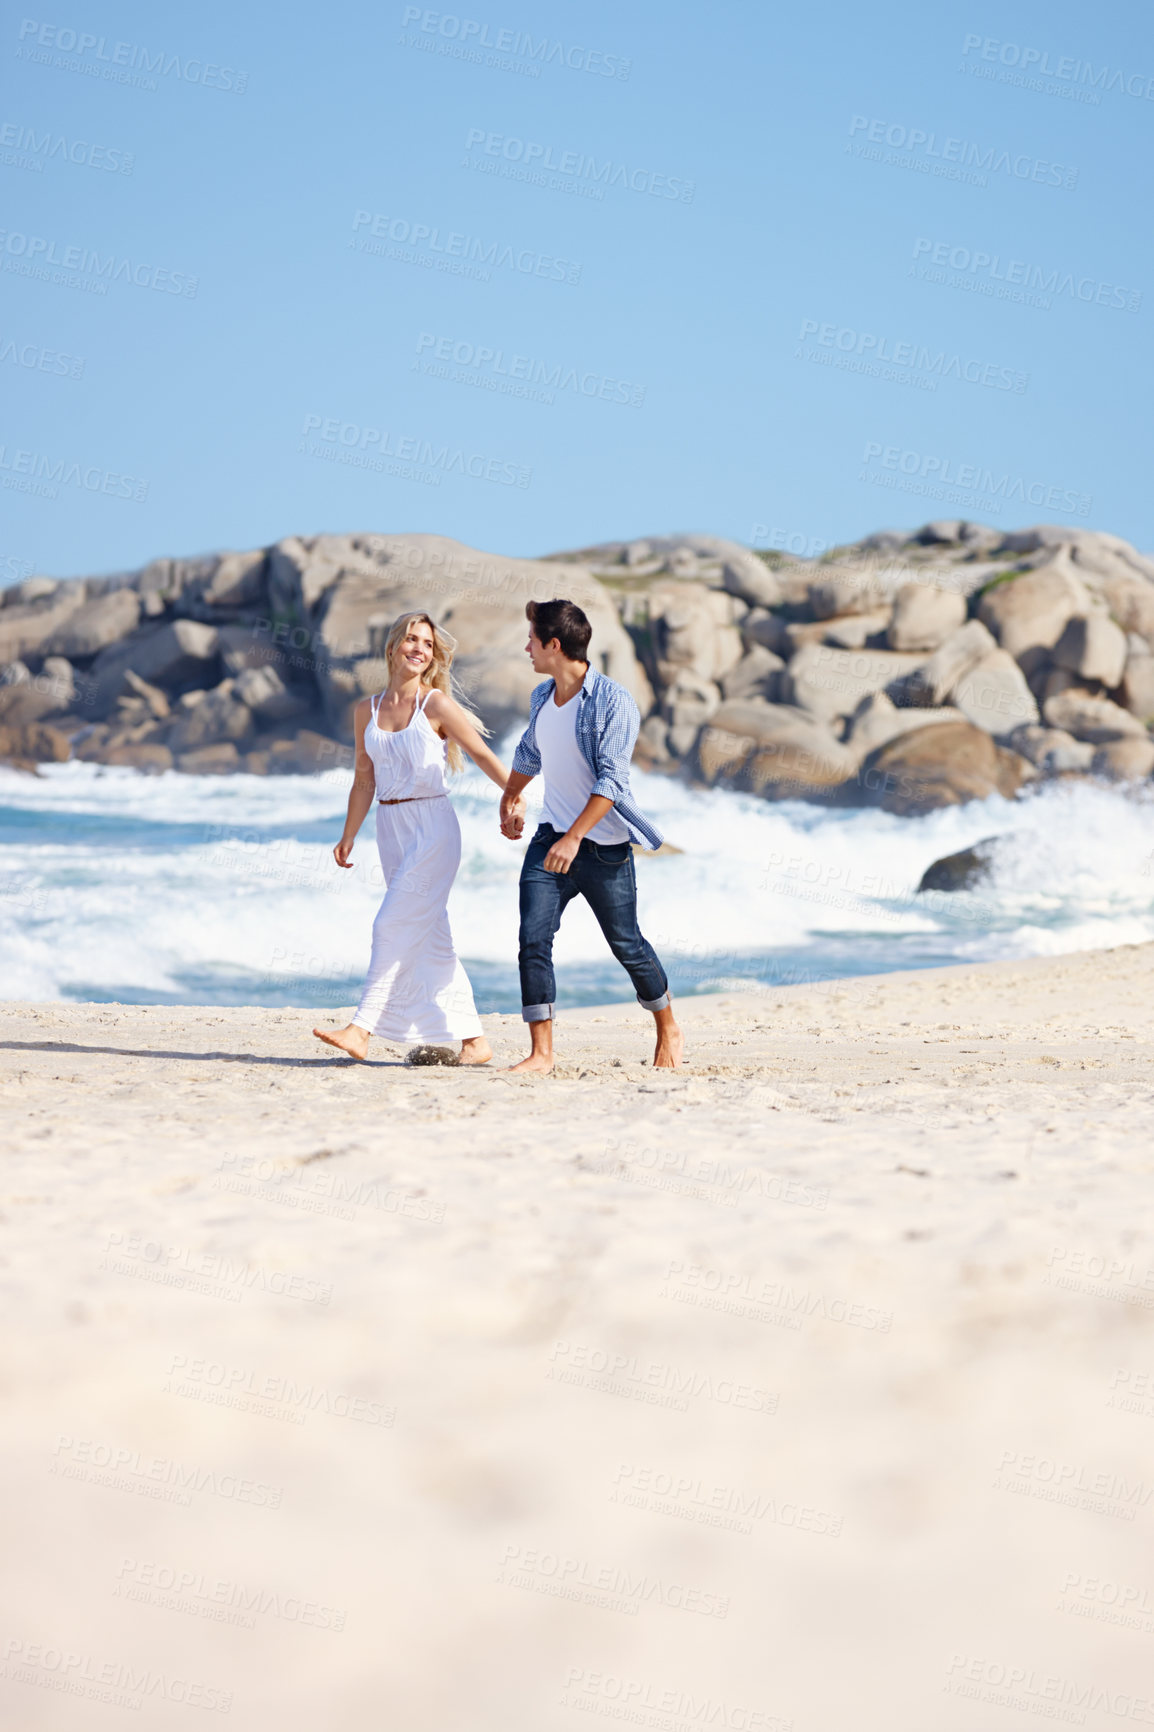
x=127, y=888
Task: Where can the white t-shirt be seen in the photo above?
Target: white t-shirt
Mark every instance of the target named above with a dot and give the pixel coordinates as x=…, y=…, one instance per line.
x=568, y=778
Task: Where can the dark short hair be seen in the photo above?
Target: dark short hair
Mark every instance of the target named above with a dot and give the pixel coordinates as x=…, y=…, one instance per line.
x=564, y=621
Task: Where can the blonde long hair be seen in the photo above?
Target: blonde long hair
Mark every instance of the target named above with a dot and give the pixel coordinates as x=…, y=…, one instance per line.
x=437, y=676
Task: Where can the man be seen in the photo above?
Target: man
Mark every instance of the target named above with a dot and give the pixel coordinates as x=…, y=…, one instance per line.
x=582, y=728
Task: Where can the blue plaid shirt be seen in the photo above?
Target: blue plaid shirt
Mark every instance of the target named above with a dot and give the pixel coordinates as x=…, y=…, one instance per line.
x=607, y=724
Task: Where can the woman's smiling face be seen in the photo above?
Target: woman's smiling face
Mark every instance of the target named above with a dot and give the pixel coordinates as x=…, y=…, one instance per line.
x=414, y=653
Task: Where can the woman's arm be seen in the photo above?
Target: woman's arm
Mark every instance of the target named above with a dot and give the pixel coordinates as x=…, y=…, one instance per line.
x=450, y=720
x=363, y=791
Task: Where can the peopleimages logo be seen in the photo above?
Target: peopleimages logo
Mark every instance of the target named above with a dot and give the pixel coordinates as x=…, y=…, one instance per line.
x=1021, y=279
x=37, y=148
x=963, y=154
x=471, y=35
x=988, y=48
x=869, y=348
x=119, y=64
x=971, y=477
x=454, y=252
x=543, y=159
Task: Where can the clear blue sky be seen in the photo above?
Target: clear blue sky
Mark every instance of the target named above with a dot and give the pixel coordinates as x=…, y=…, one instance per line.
x=695, y=306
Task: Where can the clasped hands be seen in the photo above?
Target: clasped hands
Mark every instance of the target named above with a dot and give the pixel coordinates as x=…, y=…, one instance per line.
x=563, y=852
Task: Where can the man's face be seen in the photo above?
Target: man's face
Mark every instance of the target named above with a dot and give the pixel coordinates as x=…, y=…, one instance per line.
x=541, y=655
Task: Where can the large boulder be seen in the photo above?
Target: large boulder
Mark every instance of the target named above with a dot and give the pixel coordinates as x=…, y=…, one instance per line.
x=1128, y=760
x=754, y=676
x=94, y=625
x=1094, y=648
x=1091, y=718
x=1051, y=750
x=210, y=719
x=829, y=682
x=28, y=697
x=745, y=575
x=27, y=626
x=877, y=720
x=685, y=706
x=840, y=590
x=267, y=695
x=225, y=586
x=179, y=654
x=942, y=673
x=993, y=694
x=691, y=628
x=945, y=764
x=924, y=617
x=1138, y=686
x=774, y=750
x=1029, y=613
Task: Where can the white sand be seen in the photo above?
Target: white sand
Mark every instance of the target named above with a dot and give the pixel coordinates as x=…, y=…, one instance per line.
x=823, y=1258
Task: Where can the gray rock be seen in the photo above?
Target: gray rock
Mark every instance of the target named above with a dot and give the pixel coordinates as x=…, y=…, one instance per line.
x=267, y=696
x=853, y=630
x=1091, y=718
x=30, y=590
x=1051, y=750
x=26, y=627
x=924, y=617
x=692, y=627
x=755, y=675
x=844, y=590
x=172, y=655
x=962, y=871
x=215, y=718
x=217, y=760
x=1129, y=760
x=769, y=630
x=1093, y=647
x=1028, y=614
x=636, y=553
x=993, y=694
x=94, y=625
x=744, y=574
x=937, y=678
x=774, y=750
x=877, y=720
x=1138, y=686
x=947, y=764
x=830, y=682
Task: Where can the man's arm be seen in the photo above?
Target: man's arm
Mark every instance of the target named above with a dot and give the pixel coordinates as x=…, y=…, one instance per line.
x=563, y=853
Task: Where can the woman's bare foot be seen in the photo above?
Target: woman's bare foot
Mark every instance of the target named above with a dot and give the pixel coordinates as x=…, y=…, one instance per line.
x=670, y=1042
x=476, y=1051
x=351, y=1040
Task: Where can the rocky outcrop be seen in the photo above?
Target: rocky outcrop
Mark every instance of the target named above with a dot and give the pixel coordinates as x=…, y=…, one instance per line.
x=962, y=871
x=912, y=669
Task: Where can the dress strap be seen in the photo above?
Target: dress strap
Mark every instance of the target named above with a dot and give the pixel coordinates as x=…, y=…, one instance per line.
x=425, y=699
x=375, y=705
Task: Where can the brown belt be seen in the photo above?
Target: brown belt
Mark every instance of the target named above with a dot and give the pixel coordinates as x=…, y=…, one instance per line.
x=405, y=799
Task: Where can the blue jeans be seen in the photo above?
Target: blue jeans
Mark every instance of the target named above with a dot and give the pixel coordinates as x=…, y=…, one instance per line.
x=602, y=873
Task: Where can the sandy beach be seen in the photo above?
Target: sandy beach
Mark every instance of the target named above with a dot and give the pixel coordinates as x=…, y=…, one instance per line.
x=812, y=1386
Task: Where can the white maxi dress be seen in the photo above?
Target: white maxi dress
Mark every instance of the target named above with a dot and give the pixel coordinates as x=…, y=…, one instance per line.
x=416, y=989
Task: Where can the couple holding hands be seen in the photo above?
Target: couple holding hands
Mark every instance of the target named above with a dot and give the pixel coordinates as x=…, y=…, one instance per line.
x=580, y=737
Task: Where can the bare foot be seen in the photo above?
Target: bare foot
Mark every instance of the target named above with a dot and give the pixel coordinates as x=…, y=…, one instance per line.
x=670, y=1046
x=537, y=1064
x=351, y=1040
x=476, y=1051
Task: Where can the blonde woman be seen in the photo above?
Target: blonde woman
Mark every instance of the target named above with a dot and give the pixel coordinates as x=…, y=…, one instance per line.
x=416, y=989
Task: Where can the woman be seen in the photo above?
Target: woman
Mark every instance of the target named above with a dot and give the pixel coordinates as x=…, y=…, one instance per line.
x=416, y=989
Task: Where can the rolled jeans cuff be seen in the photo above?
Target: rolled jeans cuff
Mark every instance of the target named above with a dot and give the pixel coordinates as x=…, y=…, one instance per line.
x=536, y=1013
x=661, y=1003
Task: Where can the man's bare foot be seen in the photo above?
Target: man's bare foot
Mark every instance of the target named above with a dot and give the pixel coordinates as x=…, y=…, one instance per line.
x=537, y=1064
x=540, y=1060
x=476, y=1051
x=351, y=1040
x=670, y=1042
